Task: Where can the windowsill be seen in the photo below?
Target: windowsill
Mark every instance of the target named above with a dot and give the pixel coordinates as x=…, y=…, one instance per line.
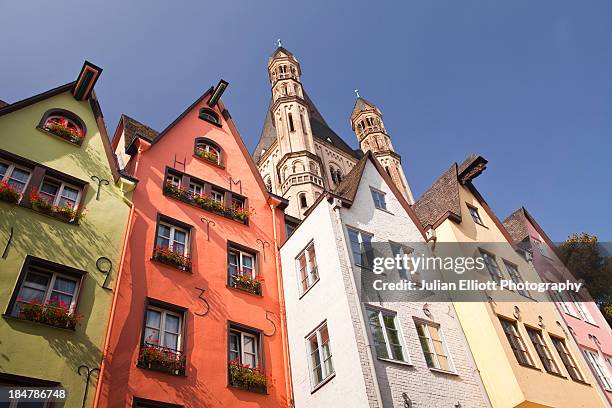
x=556, y=374
x=18, y=319
x=398, y=362
x=219, y=213
x=221, y=166
x=59, y=137
x=308, y=289
x=244, y=291
x=173, y=266
x=482, y=225
x=159, y=370
x=582, y=382
x=529, y=366
x=322, y=383
x=55, y=217
x=384, y=210
x=439, y=370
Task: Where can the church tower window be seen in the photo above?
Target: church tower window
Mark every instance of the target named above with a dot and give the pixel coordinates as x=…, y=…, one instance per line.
x=291, y=126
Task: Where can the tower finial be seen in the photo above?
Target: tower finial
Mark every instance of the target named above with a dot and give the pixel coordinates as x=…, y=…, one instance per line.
x=279, y=43
x=357, y=93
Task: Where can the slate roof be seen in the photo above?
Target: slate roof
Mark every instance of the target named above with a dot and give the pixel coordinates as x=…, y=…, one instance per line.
x=133, y=128
x=3, y=104
x=362, y=104
x=281, y=49
x=320, y=130
x=516, y=224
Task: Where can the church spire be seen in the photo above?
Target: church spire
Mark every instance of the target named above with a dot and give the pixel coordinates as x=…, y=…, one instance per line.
x=367, y=123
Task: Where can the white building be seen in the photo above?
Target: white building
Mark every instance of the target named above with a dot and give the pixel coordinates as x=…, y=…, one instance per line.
x=349, y=353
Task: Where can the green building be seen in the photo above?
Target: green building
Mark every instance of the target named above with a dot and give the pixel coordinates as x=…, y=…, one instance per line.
x=64, y=209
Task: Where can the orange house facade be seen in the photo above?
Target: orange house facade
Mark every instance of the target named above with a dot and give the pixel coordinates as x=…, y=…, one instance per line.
x=196, y=318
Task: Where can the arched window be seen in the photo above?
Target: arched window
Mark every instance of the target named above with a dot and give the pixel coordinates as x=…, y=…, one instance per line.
x=210, y=115
x=303, y=201
x=313, y=168
x=268, y=184
x=388, y=171
x=208, y=150
x=339, y=175
x=64, y=124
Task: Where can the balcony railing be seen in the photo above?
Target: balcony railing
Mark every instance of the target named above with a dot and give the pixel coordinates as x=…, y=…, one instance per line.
x=159, y=358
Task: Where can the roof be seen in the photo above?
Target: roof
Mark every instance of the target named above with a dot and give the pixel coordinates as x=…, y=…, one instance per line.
x=133, y=128
x=279, y=50
x=516, y=224
x=36, y=98
x=320, y=130
x=441, y=198
x=362, y=104
x=3, y=104
x=349, y=185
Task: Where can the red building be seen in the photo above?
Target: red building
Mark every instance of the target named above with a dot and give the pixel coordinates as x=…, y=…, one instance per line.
x=196, y=319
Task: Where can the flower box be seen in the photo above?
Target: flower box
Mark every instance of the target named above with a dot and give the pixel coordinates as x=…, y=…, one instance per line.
x=248, y=283
x=65, y=133
x=207, y=156
x=178, y=192
x=9, y=193
x=246, y=378
x=52, y=313
x=156, y=357
x=64, y=212
x=169, y=257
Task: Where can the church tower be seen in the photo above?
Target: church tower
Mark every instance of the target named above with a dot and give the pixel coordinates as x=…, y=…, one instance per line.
x=366, y=121
x=299, y=169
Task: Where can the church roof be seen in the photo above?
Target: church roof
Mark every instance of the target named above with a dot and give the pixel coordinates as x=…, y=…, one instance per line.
x=278, y=50
x=362, y=104
x=320, y=130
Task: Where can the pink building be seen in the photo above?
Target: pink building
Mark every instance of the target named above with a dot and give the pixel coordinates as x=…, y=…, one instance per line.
x=582, y=317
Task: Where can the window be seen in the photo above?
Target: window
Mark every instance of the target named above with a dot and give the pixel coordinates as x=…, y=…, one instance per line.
x=581, y=307
x=172, y=237
x=361, y=247
x=241, y=267
x=515, y=276
x=268, y=183
x=59, y=193
x=210, y=115
x=146, y=403
x=492, y=266
x=64, y=124
x=307, y=265
x=303, y=201
x=15, y=176
x=475, y=216
x=542, y=248
x=244, y=347
x=565, y=306
x=8, y=381
x=320, y=361
x=379, y=199
x=163, y=328
x=207, y=149
x=217, y=196
x=385, y=333
x=537, y=339
x=567, y=359
x=434, y=347
x=291, y=126
x=403, y=251
x=601, y=371
x=196, y=189
x=173, y=180
x=516, y=342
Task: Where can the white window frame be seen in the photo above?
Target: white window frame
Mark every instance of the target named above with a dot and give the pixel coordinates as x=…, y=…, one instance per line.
x=312, y=274
x=412, y=274
x=567, y=307
x=162, y=327
x=49, y=289
x=217, y=196
x=196, y=188
x=207, y=147
x=360, y=234
x=380, y=313
x=9, y=173
x=475, y=214
x=381, y=196
x=173, y=229
x=242, y=254
x=241, y=352
x=581, y=308
x=315, y=383
x=174, y=180
x=62, y=185
x=601, y=371
x=430, y=342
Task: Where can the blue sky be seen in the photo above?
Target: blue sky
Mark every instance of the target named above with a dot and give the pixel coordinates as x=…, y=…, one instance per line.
x=527, y=84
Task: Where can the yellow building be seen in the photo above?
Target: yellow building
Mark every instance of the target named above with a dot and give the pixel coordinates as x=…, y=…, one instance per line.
x=521, y=346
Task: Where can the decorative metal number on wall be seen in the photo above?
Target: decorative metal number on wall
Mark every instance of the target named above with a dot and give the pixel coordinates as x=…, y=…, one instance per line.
x=8, y=244
x=208, y=222
x=268, y=313
x=263, y=244
x=101, y=182
x=200, y=296
x=88, y=373
x=105, y=266
x=178, y=162
x=233, y=182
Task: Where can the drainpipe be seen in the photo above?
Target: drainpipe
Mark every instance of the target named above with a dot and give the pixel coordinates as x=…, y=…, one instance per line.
x=281, y=300
x=336, y=207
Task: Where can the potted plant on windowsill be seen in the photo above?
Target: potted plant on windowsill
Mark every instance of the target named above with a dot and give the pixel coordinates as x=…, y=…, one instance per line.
x=167, y=256
x=248, y=283
x=65, y=133
x=39, y=203
x=156, y=357
x=207, y=155
x=241, y=214
x=66, y=212
x=244, y=377
x=52, y=312
x=9, y=193
x=178, y=192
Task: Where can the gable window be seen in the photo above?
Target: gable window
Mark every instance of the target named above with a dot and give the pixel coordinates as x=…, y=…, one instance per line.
x=320, y=361
x=434, y=347
x=210, y=115
x=537, y=339
x=492, y=266
x=515, y=276
x=47, y=293
x=386, y=335
x=208, y=150
x=162, y=339
x=475, y=215
x=64, y=124
x=379, y=199
x=601, y=371
x=516, y=342
x=361, y=247
x=581, y=307
x=172, y=243
x=307, y=265
x=242, y=272
x=567, y=359
x=14, y=176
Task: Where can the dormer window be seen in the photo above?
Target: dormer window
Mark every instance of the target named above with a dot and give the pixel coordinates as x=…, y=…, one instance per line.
x=210, y=115
x=208, y=150
x=64, y=124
